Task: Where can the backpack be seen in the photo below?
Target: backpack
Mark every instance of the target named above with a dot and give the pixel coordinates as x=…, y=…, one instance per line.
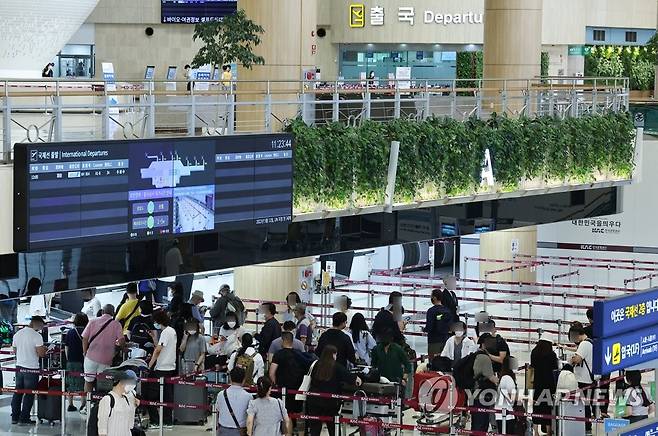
x=141, y=333
x=450, y=301
x=305, y=360
x=6, y=333
x=463, y=371
x=235, y=305
x=246, y=362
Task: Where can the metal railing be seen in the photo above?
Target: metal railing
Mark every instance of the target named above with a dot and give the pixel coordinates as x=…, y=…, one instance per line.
x=48, y=110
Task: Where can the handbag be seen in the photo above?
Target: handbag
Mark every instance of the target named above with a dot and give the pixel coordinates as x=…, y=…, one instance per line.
x=283, y=427
x=306, y=384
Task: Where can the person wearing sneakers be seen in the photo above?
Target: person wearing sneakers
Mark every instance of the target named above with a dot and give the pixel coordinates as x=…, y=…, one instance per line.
x=28, y=347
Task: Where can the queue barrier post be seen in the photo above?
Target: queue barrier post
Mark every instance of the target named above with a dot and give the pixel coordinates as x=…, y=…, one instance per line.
x=451, y=403
x=161, y=381
x=564, y=305
x=337, y=424
x=88, y=406
x=503, y=430
x=529, y=323
x=559, y=331
x=63, y=406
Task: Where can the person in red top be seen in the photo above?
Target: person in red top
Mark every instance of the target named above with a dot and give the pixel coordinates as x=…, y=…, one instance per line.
x=99, y=341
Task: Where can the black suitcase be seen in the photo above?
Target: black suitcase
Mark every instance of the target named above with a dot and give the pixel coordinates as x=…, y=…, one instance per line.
x=49, y=407
x=191, y=395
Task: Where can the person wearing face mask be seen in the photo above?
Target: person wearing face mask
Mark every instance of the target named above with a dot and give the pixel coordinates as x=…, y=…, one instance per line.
x=116, y=410
x=91, y=305
x=230, y=334
x=227, y=303
x=28, y=347
x=327, y=376
x=193, y=349
x=439, y=320
x=458, y=345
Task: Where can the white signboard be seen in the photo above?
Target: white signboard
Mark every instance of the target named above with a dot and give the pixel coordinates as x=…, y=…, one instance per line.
x=403, y=74
x=331, y=268
x=515, y=246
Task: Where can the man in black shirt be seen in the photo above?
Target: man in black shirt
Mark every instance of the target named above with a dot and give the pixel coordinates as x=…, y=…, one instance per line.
x=338, y=338
x=439, y=321
x=286, y=371
x=501, y=348
x=385, y=322
x=270, y=331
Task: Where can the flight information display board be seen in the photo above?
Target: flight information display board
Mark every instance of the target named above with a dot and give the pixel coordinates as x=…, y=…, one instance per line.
x=77, y=193
x=196, y=11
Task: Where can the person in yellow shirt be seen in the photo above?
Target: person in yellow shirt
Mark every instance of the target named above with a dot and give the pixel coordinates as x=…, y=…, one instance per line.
x=227, y=77
x=129, y=308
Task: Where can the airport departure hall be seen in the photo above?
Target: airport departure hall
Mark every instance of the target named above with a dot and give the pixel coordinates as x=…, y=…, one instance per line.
x=305, y=217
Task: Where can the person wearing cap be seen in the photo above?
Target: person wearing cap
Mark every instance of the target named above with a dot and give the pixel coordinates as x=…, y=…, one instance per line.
x=227, y=303
x=116, y=410
x=195, y=300
x=544, y=363
x=486, y=382
x=28, y=347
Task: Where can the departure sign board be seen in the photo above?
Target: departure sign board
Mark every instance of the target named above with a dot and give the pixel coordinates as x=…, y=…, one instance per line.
x=70, y=194
x=196, y=11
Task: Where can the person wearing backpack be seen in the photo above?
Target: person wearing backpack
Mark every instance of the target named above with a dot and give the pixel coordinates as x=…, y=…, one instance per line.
x=129, y=308
x=485, y=382
x=141, y=330
x=227, y=303
x=438, y=322
x=248, y=358
x=582, y=362
x=287, y=370
x=116, y=410
x=638, y=404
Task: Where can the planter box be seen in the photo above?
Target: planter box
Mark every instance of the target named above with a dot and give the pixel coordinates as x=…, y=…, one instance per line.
x=641, y=95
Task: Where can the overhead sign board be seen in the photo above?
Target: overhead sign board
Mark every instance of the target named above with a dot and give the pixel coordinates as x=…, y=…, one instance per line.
x=626, y=350
x=626, y=313
x=642, y=428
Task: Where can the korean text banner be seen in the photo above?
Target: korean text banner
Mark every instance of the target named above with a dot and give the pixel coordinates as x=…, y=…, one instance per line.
x=623, y=314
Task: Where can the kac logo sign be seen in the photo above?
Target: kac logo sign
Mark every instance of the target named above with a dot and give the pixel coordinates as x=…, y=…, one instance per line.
x=357, y=15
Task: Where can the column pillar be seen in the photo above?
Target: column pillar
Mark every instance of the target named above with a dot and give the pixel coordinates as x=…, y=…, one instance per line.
x=498, y=245
x=512, y=47
x=273, y=281
x=287, y=46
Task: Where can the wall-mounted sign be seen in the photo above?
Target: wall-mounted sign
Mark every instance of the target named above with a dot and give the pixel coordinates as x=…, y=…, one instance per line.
x=626, y=350
x=579, y=50
x=626, y=313
x=376, y=16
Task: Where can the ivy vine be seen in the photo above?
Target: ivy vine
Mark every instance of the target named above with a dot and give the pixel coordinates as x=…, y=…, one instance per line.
x=338, y=166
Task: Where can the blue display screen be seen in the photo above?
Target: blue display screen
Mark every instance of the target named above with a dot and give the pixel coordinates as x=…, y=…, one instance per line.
x=626, y=313
x=196, y=11
x=624, y=351
x=70, y=194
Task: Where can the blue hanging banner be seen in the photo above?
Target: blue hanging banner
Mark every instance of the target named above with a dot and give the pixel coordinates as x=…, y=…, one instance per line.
x=626, y=313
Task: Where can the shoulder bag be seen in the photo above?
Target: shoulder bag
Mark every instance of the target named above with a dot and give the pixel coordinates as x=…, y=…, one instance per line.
x=306, y=384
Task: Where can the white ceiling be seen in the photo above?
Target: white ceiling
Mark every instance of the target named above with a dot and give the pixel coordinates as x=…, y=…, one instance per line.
x=33, y=31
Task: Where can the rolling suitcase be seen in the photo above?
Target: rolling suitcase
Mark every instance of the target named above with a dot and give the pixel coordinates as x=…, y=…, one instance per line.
x=191, y=395
x=49, y=406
